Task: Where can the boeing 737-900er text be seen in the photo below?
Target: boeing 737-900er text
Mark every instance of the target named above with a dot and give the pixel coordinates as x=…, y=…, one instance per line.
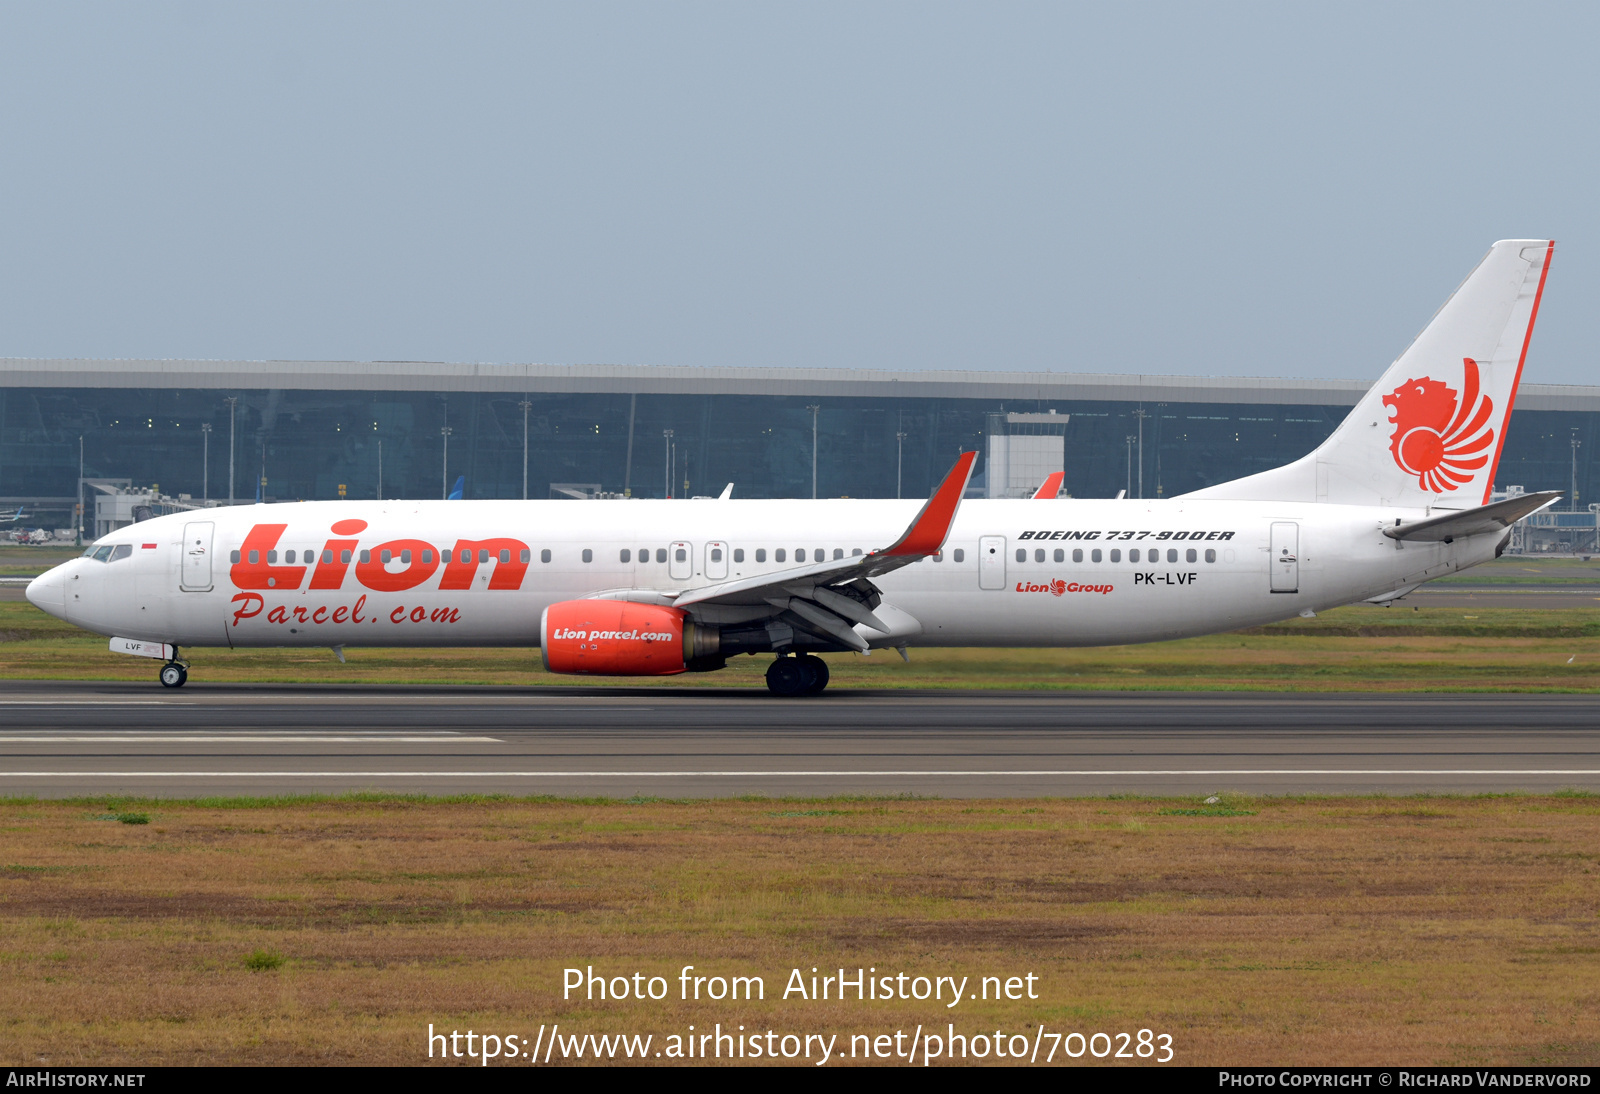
x=1397, y=495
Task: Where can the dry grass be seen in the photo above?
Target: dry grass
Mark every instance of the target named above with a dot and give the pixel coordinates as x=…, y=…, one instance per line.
x=1441, y=930
x=1350, y=649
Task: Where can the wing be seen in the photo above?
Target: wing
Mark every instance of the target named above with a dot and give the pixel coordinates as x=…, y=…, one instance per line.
x=827, y=599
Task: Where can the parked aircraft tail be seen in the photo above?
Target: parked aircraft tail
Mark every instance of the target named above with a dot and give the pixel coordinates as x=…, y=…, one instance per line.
x=1430, y=432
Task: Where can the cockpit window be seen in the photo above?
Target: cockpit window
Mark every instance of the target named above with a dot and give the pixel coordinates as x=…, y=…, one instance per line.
x=122, y=551
x=88, y=552
x=102, y=554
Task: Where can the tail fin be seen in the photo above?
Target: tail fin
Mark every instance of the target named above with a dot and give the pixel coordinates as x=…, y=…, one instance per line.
x=1431, y=430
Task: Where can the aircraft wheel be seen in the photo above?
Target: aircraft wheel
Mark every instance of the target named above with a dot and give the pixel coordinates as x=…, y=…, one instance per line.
x=174, y=675
x=816, y=672
x=788, y=676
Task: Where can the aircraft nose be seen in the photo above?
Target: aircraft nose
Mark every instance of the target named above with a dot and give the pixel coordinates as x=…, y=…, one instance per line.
x=48, y=592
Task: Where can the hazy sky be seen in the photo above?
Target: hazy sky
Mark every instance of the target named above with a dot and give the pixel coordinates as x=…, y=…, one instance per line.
x=1260, y=189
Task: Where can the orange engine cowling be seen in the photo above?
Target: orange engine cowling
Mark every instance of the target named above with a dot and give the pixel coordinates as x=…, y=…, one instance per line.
x=612, y=638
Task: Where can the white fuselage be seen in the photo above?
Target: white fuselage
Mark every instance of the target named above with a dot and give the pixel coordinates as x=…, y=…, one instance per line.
x=1216, y=566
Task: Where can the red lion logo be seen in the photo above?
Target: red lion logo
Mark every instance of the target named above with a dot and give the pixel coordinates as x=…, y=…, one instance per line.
x=1058, y=587
x=1438, y=437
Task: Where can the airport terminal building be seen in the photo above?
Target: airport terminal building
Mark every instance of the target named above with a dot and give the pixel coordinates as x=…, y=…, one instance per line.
x=283, y=430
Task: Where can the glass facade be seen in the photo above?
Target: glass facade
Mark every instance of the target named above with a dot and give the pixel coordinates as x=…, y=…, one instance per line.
x=313, y=444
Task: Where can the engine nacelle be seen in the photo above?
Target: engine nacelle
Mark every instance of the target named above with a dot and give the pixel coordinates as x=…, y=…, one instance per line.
x=619, y=638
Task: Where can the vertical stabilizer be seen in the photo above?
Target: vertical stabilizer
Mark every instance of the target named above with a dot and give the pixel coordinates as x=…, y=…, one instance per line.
x=1431, y=430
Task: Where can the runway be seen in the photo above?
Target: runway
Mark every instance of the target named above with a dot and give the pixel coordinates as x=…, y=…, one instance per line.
x=76, y=739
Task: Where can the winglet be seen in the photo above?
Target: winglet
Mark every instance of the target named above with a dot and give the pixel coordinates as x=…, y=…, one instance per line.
x=1051, y=486
x=926, y=534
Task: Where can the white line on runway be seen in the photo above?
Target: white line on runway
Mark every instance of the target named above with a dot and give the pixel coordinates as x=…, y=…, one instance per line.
x=85, y=702
x=235, y=738
x=766, y=774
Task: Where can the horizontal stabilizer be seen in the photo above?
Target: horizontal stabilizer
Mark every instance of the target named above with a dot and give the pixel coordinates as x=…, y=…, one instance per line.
x=1495, y=517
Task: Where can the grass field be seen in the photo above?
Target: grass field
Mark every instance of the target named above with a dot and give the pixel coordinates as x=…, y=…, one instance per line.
x=1349, y=649
x=1270, y=931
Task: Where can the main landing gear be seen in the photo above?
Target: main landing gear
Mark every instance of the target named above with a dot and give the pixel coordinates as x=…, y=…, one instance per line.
x=174, y=674
x=801, y=674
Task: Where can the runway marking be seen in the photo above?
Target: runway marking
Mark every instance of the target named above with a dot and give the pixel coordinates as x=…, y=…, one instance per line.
x=85, y=702
x=140, y=738
x=770, y=774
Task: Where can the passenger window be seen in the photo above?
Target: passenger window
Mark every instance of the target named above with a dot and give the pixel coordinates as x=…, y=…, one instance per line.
x=679, y=554
x=405, y=556
x=327, y=557
x=761, y=554
x=527, y=555
x=1061, y=556
x=1038, y=555
x=1094, y=555
x=1172, y=554
x=483, y=556
x=1191, y=556
x=799, y=554
x=854, y=551
x=819, y=554
x=738, y=554
x=255, y=556
x=1116, y=554
x=288, y=556
x=1022, y=554
x=716, y=554
x=838, y=552
x=465, y=556
x=938, y=556
x=588, y=555
x=427, y=558
x=544, y=555
x=778, y=555
x=1211, y=554
x=272, y=556
x=122, y=551
x=344, y=556
x=233, y=556
x=958, y=554
x=626, y=555
x=383, y=557
x=1133, y=554
x=1077, y=554
x=661, y=554
x=505, y=555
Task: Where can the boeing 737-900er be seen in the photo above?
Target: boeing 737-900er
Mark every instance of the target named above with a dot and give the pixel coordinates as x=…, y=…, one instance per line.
x=1397, y=495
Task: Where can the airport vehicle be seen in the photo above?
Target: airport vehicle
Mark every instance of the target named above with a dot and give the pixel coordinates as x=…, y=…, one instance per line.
x=1397, y=495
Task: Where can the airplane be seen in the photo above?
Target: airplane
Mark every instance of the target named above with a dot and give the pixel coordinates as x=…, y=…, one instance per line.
x=1397, y=495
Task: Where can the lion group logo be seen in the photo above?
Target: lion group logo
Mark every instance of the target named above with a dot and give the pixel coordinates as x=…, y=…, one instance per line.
x=1058, y=587
x=1439, y=437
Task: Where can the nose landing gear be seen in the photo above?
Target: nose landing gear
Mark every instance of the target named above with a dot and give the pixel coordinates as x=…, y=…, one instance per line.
x=802, y=674
x=174, y=674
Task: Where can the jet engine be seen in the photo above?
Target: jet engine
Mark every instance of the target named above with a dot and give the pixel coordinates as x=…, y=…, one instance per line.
x=620, y=638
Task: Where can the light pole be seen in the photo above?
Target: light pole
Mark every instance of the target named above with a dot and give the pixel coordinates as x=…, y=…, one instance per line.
x=1129, y=491
x=525, y=405
x=1140, y=414
x=813, y=408
x=80, y=490
x=380, y=470
x=899, y=460
x=1574, y=501
x=233, y=405
x=444, y=466
x=205, y=461
x=666, y=437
